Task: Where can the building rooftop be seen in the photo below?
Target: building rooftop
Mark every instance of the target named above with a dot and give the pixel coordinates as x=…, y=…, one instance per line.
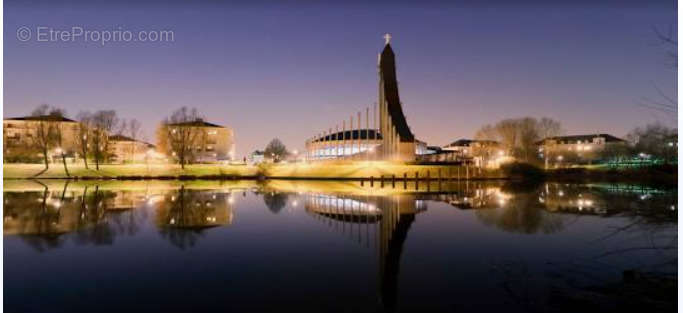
x=127, y=139
x=576, y=138
x=197, y=123
x=41, y=118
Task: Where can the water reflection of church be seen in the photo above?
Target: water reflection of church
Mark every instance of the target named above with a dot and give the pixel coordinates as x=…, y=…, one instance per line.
x=381, y=222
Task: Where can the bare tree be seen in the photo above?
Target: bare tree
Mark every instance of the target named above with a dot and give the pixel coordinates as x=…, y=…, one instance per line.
x=655, y=140
x=179, y=134
x=122, y=128
x=507, y=132
x=56, y=115
x=528, y=136
x=663, y=102
x=84, y=135
x=486, y=145
x=548, y=127
x=134, y=132
x=276, y=150
x=519, y=135
x=104, y=122
x=668, y=39
x=616, y=154
x=44, y=137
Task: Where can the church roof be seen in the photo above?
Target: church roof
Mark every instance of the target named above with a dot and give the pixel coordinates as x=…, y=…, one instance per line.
x=351, y=134
x=387, y=66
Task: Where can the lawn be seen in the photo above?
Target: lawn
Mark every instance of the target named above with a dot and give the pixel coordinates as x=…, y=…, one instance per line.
x=120, y=170
x=331, y=170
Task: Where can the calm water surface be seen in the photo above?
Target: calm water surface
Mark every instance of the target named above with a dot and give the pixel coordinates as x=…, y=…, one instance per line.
x=283, y=246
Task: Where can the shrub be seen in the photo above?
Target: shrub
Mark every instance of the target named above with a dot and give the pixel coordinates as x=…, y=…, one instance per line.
x=519, y=170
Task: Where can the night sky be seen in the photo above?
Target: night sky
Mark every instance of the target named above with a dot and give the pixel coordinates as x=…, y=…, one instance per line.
x=294, y=70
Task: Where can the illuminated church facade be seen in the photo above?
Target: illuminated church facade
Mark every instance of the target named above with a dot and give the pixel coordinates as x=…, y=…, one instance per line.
x=389, y=137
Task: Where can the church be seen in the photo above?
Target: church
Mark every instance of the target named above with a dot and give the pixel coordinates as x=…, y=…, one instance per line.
x=389, y=138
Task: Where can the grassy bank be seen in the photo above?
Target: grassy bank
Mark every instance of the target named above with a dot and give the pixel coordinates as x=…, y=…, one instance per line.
x=327, y=170
x=23, y=171
x=340, y=170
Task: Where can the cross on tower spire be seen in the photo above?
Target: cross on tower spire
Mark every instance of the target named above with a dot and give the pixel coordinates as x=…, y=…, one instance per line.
x=387, y=38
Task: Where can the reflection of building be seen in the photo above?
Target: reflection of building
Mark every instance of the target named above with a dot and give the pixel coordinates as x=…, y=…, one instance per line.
x=92, y=215
x=19, y=133
x=39, y=213
x=212, y=142
x=195, y=209
x=183, y=215
x=382, y=222
x=477, y=197
x=561, y=198
x=575, y=149
x=125, y=200
x=126, y=149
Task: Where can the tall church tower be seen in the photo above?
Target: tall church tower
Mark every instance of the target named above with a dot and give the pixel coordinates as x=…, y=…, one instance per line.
x=398, y=142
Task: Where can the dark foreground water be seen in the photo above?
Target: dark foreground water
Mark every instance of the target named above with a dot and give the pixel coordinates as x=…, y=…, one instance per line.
x=296, y=246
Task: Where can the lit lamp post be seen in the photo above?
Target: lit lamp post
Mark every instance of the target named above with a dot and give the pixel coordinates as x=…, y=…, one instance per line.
x=148, y=154
x=58, y=151
x=642, y=157
x=559, y=158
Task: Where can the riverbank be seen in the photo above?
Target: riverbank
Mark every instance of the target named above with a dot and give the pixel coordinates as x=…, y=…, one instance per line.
x=666, y=175
x=323, y=170
x=343, y=170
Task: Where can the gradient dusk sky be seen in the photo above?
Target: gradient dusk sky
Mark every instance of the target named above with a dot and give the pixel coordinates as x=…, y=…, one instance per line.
x=296, y=69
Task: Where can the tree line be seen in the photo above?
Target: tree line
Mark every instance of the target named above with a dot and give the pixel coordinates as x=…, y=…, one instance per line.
x=520, y=138
x=90, y=135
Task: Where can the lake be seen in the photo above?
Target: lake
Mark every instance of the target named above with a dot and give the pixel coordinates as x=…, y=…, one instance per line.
x=279, y=246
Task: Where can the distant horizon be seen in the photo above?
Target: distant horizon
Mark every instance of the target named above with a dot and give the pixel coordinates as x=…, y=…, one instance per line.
x=293, y=72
